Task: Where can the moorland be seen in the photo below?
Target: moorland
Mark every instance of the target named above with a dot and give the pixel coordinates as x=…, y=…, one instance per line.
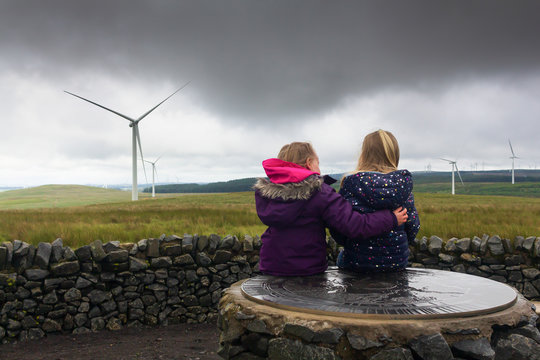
x=82, y=214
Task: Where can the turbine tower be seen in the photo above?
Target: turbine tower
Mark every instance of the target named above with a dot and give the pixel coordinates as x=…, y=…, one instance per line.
x=154, y=172
x=512, y=157
x=454, y=168
x=135, y=137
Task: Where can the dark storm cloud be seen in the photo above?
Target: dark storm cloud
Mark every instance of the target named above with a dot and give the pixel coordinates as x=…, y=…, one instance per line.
x=253, y=60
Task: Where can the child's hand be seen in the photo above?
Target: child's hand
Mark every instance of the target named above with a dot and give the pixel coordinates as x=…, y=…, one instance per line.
x=401, y=215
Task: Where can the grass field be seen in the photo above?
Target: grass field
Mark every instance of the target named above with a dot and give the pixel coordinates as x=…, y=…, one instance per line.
x=54, y=196
x=117, y=218
x=522, y=189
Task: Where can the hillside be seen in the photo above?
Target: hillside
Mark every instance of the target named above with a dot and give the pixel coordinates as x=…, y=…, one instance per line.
x=50, y=196
x=238, y=185
x=476, y=183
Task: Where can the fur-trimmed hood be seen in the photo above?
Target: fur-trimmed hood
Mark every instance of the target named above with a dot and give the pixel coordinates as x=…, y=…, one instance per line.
x=302, y=190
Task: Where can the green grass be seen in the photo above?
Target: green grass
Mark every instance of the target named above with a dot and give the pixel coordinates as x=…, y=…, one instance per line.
x=53, y=196
x=46, y=215
x=469, y=215
x=522, y=189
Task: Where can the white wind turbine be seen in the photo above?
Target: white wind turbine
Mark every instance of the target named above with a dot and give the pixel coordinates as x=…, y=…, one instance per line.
x=512, y=157
x=136, y=139
x=454, y=167
x=154, y=173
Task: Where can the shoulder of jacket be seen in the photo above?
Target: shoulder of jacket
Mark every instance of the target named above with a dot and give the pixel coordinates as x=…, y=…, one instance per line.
x=302, y=190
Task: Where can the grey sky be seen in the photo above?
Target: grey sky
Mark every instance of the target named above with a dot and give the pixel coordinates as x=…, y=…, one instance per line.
x=450, y=79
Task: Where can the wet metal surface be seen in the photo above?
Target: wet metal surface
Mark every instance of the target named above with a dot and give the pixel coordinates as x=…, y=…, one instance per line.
x=410, y=293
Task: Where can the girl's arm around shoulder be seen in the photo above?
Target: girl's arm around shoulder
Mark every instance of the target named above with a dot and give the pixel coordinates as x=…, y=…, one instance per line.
x=339, y=215
x=412, y=226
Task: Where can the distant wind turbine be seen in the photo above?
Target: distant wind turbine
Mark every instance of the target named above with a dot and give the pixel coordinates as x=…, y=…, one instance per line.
x=454, y=167
x=512, y=157
x=154, y=173
x=136, y=139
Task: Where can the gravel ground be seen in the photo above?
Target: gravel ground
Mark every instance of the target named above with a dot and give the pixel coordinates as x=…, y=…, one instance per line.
x=181, y=342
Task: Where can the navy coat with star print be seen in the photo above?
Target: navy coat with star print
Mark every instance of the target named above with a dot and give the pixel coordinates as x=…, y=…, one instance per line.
x=368, y=192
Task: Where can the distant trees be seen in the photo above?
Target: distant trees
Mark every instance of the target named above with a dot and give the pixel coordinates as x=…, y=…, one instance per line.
x=238, y=185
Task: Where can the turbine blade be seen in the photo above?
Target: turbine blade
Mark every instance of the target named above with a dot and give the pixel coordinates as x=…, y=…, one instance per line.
x=158, y=159
x=138, y=136
x=155, y=107
x=459, y=175
x=511, y=149
x=450, y=161
x=103, y=107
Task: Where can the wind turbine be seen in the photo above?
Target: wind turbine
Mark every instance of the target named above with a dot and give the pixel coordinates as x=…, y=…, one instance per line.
x=454, y=167
x=135, y=137
x=154, y=172
x=512, y=157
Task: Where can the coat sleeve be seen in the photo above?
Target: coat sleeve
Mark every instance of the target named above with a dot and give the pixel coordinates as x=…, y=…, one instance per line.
x=339, y=216
x=412, y=225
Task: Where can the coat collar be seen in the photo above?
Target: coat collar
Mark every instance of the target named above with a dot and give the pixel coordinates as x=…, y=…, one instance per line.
x=302, y=190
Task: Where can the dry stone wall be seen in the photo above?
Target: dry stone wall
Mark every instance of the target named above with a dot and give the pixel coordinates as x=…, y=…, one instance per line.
x=512, y=261
x=51, y=288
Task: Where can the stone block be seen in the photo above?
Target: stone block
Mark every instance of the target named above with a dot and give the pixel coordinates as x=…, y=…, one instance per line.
x=43, y=255
x=495, y=245
x=161, y=262
x=213, y=242
x=136, y=265
x=98, y=253
x=286, y=349
x=450, y=245
x=528, y=244
x=536, y=247
x=517, y=346
x=111, y=246
x=300, y=331
x=222, y=256
x=247, y=244
x=36, y=274
x=393, y=354
x=479, y=349
x=65, y=268
x=431, y=347
x=187, y=243
x=57, y=249
x=152, y=249
x=117, y=256
x=475, y=244
x=435, y=245
x=68, y=254
x=184, y=260
x=463, y=245
x=171, y=250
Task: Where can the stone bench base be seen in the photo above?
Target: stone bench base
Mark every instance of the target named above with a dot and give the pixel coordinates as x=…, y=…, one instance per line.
x=253, y=330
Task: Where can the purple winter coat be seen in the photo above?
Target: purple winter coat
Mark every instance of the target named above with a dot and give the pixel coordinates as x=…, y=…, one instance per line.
x=297, y=214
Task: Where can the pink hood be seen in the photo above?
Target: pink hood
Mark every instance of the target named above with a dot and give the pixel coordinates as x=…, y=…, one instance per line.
x=280, y=172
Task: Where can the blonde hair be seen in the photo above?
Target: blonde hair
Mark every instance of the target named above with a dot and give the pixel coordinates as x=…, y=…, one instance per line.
x=380, y=152
x=297, y=152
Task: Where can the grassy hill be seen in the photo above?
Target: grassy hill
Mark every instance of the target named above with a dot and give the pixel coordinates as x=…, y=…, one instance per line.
x=476, y=183
x=238, y=185
x=51, y=196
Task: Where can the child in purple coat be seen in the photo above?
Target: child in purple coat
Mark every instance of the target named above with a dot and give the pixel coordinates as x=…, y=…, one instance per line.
x=297, y=205
x=377, y=184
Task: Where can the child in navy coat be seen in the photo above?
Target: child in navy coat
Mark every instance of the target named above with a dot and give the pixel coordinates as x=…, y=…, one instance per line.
x=377, y=184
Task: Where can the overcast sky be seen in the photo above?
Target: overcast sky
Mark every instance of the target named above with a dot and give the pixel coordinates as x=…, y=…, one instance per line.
x=453, y=79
